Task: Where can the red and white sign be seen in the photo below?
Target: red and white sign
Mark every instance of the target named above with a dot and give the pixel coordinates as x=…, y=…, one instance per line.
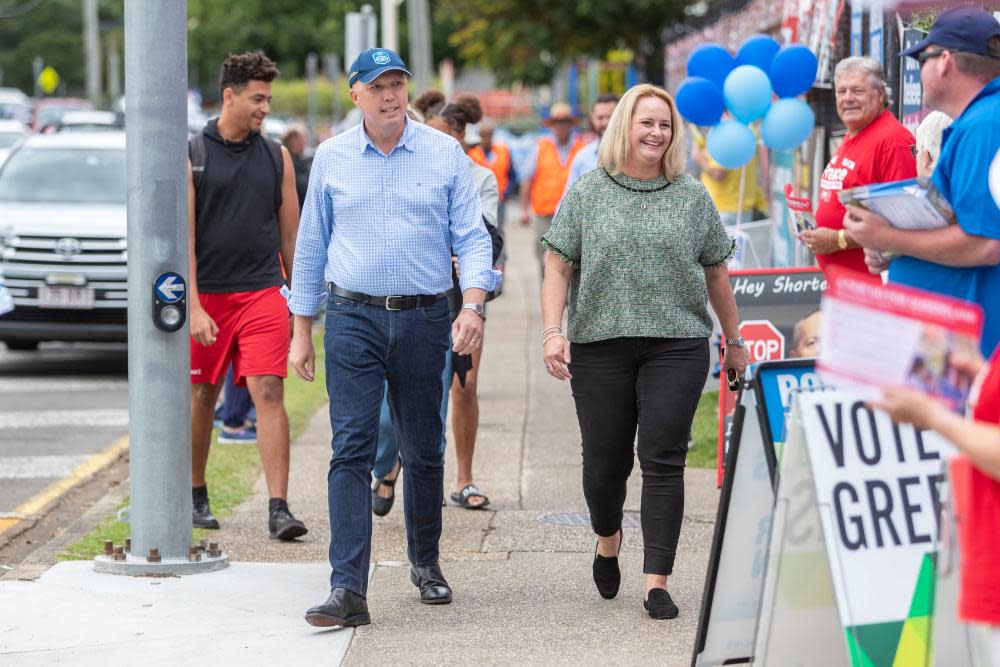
x=763, y=342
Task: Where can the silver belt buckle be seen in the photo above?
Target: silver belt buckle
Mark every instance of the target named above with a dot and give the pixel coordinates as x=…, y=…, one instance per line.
x=388, y=299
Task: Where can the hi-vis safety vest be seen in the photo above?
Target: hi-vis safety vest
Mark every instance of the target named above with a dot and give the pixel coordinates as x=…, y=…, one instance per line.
x=551, y=175
x=500, y=165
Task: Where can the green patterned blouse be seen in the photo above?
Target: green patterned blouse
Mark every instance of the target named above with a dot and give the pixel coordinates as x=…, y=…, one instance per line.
x=639, y=249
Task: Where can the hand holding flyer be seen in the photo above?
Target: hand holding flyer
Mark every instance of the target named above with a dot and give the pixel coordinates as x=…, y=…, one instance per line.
x=876, y=337
x=801, y=209
x=913, y=203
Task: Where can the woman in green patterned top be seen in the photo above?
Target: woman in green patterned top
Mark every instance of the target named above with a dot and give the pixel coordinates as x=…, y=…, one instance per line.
x=639, y=248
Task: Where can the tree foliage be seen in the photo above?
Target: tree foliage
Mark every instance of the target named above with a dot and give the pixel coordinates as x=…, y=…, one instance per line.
x=526, y=40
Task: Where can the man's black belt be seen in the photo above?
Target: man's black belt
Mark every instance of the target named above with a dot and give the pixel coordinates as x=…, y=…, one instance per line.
x=387, y=302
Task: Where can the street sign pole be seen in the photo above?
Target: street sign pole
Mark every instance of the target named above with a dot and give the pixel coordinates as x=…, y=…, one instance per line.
x=158, y=354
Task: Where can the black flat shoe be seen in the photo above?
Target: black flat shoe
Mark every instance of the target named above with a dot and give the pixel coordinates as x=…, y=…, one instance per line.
x=659, y=604
x=343, y=608
x=382, y=506
x=433, y=588
x=607, y=575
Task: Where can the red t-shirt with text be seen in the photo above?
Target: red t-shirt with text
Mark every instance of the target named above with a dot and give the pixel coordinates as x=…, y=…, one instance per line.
x=977, y=508
x=879, y=153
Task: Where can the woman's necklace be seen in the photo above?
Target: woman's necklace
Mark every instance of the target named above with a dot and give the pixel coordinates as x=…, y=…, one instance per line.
x=631, y=189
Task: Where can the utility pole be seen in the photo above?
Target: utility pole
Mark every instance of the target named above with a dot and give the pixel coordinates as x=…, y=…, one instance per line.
x=390, y=25
x=114, y=69
x=421, y=59
x=92, y=51
x=158, y=351
x=359, y=33
x=312, y=65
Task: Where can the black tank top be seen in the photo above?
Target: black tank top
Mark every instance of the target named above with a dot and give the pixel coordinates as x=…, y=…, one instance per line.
x=237, y=242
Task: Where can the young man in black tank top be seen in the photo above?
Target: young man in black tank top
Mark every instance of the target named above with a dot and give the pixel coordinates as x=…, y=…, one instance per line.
x=244, y=213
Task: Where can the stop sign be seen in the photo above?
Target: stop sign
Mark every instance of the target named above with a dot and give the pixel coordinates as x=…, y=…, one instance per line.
x=763, y=340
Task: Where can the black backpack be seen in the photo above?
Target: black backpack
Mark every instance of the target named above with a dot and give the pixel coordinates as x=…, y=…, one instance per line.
x=197, y=155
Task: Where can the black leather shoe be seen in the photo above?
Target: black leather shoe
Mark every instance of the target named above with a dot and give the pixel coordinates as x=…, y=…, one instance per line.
x=343, y=608
x=283, y=526
x=659, y=604
x=381, y=506
x=433, y=588
x=201, y=515
x=607, y=575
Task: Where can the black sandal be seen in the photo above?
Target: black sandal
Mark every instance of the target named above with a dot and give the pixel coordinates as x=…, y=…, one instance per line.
x=382, y=506
x=470, y=491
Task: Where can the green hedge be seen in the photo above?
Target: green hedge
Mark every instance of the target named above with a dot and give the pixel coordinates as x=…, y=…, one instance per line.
x=290, y=97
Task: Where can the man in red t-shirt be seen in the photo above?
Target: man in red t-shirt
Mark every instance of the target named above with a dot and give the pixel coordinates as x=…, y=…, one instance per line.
x=975, y=479
x=877, y=149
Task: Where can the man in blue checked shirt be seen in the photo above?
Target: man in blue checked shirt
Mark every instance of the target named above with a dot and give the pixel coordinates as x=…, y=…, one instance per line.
x=389, y=202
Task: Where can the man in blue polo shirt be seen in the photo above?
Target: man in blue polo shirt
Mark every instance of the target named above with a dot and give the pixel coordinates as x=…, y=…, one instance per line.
x=960, y=71
x=389, y=202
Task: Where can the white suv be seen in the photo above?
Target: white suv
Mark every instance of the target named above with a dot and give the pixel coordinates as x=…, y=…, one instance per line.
x=62, y=239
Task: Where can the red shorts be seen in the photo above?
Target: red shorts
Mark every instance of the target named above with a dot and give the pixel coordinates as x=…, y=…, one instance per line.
x=253, y=335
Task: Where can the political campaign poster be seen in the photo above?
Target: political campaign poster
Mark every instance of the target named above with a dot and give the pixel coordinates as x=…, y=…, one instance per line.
x=892, y=335
x=777, y=382
x=877, y=488
x=912, y=110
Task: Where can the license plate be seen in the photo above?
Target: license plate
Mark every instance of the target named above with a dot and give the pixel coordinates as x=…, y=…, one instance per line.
x=65, y=297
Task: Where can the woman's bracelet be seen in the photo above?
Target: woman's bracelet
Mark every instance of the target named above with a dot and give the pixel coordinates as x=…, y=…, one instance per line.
x=550, y=330
x=551, y=336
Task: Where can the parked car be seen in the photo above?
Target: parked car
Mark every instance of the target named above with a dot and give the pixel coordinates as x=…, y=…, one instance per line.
x=62, y=239
x=90, y=121
x=50, y=110
x=11, y=132
x=14, y=105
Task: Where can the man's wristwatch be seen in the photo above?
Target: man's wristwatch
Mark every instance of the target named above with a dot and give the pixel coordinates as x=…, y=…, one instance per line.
x=842, y=239
x=476, y=308
x=735, y=342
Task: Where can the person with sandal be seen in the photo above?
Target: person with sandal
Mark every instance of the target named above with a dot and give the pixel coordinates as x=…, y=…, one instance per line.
x=636, y=350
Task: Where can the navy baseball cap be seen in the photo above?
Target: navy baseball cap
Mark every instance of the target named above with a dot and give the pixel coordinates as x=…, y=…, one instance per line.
x=965, y=29
x=373, y=63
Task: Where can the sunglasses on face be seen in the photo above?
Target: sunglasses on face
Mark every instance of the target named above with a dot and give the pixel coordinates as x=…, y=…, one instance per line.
x=928, y=55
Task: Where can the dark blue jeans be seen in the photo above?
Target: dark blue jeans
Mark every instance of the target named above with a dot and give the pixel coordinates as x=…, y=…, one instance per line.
x=367, y=347
x=236, y=402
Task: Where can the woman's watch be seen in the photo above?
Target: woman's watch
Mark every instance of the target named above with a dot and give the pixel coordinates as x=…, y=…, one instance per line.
x=842, y=239
x=476, y=308
x=735, y=342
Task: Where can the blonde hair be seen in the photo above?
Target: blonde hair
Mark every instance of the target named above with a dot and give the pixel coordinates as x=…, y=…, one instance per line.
x=613, y=153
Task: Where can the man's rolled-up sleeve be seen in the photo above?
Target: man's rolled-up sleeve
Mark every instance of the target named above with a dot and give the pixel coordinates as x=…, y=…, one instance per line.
x=470, y=241
x=315, y=229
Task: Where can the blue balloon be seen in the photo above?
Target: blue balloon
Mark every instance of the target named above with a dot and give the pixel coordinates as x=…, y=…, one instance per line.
x=731, y=144
x=747, y=92
x=758, y=51
x=793, y=70
x=711, y=62
x=700, y=101
x=788, y=123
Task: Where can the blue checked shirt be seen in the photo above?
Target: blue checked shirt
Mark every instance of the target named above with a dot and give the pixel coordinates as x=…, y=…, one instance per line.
x=388, y=225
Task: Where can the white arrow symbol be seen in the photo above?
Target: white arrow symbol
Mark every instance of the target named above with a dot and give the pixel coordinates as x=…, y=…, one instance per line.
x=171, y=290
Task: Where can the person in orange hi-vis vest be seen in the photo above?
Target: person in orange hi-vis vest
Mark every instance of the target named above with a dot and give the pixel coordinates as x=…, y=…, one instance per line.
x=496, y=158
x=546, y=172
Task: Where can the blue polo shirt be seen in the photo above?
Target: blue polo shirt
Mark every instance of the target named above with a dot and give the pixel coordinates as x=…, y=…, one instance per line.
x=967, y=148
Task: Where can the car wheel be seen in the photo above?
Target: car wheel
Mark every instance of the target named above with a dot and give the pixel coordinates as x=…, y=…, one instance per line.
x=21, y=345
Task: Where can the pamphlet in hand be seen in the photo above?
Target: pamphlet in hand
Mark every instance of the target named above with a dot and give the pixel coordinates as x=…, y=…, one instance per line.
x=878, y=336
x=913, y=203
x=801, y=209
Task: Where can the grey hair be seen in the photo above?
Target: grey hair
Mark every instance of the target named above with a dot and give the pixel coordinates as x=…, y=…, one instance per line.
x=867, y=65
x=929, y=134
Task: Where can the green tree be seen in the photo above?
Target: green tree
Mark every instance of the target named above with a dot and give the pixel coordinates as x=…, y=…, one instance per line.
x=527, y=40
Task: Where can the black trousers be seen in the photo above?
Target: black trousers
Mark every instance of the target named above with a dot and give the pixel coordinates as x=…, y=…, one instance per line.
x=649, y=385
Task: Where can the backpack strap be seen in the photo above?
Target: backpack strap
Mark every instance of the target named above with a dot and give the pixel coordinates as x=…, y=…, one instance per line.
x=196, y=153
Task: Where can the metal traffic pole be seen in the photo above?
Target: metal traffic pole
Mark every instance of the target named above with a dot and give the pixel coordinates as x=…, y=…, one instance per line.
x=158, y=347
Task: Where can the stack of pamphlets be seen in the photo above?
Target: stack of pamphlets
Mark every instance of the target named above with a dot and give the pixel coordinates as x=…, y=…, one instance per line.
x=913, y=203
x=801, y=209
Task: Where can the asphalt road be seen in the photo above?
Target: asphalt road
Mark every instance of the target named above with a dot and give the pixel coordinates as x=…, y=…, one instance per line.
x=59, y=406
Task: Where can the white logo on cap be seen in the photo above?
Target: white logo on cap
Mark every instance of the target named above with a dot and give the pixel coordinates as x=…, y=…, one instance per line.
x=380, y=57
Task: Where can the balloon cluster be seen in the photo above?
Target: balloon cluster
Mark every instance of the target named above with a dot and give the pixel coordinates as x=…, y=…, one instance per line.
x=745, y=86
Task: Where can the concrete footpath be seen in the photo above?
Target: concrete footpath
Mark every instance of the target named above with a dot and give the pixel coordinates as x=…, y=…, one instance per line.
x=520, y=570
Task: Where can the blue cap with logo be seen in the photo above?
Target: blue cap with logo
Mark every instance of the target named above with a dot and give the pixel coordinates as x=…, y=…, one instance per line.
x=967, y=29
x=373, y=63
